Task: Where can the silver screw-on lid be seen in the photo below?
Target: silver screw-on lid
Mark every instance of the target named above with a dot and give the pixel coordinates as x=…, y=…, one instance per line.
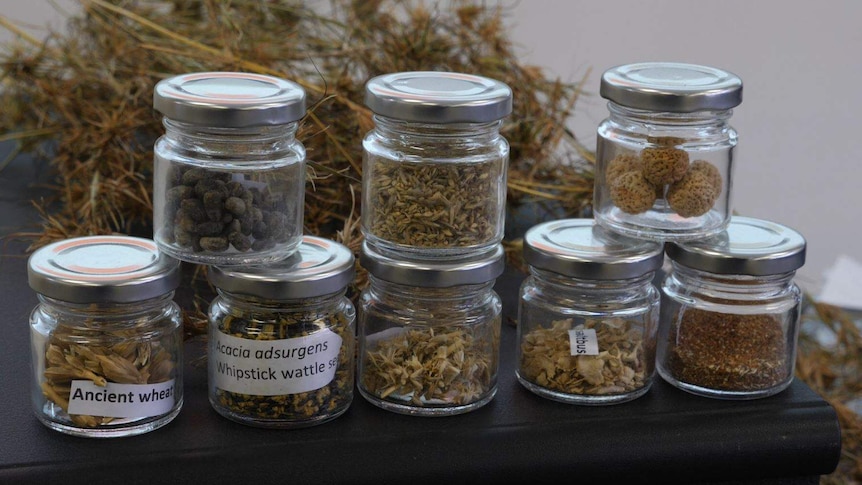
x=319, y=267
x=671, y=86
x=581, y=249
x=102, y=269
x=229, y=99
x=434, y=274
x=438, y=97
x=748, y=247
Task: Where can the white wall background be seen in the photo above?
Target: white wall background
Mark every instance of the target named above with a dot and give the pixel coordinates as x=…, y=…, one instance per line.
x=800, y=62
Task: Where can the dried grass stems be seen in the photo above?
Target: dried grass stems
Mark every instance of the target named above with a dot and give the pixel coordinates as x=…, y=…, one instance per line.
x=828, y=360
x=89, y=90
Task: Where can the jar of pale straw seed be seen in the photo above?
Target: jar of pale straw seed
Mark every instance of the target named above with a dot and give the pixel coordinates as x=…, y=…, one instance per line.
x=588, y=313
x=434, y=165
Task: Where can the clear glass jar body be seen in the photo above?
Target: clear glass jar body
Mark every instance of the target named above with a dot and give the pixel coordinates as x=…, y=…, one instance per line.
x=662, y=175
x=281, y=364
x=228, y=196
x=106, y=370
x=728, y=336
x=587, y=341
x=434, y=191
x=428, y=351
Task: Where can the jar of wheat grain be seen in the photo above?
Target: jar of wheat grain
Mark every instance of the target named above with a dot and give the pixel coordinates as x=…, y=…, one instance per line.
x=106, y=336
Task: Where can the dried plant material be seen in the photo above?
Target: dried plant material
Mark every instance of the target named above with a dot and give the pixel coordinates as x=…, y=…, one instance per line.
x=101, y=360
x=711, y=173
x=664, y=165
x=621, y=164
x=727, y=352
x=632, y=193
x=220, y=210
x=87, y=91
x=830, y=344
x=435, y=205
x=666, y=141
x=694, y=195
x=621, y=365
x=434, y=366
x=329, y=400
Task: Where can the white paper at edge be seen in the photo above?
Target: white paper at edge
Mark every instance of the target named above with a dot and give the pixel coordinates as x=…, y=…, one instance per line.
x=843, y=285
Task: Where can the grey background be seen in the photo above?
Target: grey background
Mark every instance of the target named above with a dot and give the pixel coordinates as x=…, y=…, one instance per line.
x=800, y=63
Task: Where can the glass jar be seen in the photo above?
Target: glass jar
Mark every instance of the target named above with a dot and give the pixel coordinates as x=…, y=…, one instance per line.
x=106, y=337
x=730, y=311
x=664, y=156
x=587, y=314
x=429, y=334
x=434, y=166
x=282, y=338
x=229, y=181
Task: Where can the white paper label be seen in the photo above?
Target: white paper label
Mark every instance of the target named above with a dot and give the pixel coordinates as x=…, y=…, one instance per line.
x=122, y=400
x=583, y=341
x=274, y=367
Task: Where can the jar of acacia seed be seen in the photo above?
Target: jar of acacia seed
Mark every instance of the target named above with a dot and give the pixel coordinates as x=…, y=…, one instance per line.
x=229, y=180
x=730, y=311
x=587, y=314
x=434, y=165
x=282, y=338
x=429, y=334
x=106, y=337
x=665, y=153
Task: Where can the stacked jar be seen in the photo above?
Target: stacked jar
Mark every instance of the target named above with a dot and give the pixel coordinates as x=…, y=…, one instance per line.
x=229, y=189
x=664, y=168
x=433, y=208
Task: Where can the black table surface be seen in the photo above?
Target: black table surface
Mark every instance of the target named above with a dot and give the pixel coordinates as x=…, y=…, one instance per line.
x=666, y=436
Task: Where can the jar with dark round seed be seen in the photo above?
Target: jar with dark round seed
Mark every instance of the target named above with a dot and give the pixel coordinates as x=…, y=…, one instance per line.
x=665, y=154
x=229, y=182
x=434, y=166
x=588, y=313
x=106, y=337
x=730, y=311
x=429, y=334
x=282, y=338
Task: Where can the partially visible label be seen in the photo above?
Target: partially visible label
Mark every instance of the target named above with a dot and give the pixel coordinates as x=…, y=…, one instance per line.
x=583, y=341
x=122, y=400
x=274, y=367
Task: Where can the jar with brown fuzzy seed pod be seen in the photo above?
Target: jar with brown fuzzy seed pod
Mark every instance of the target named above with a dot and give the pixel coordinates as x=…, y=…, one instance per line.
x=668, y=131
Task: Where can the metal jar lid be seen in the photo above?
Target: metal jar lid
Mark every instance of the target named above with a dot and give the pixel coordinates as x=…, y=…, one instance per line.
x=671, y=87
x=229, y=99
x=102, y=269
x=438, y=97
x=747, y=247
x=579, y=248
x=435, y=274
x=319, y=267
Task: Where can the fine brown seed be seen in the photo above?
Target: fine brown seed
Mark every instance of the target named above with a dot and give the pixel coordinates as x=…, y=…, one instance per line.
x=632, y=193
x=728, y=352
x=665, y=165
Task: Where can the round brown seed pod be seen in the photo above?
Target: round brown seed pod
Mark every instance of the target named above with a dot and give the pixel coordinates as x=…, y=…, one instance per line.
x=664, y=165
x=692, y=196
x=710, y=172
x=632, y=193
x=622, y=163
x=665, y=141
